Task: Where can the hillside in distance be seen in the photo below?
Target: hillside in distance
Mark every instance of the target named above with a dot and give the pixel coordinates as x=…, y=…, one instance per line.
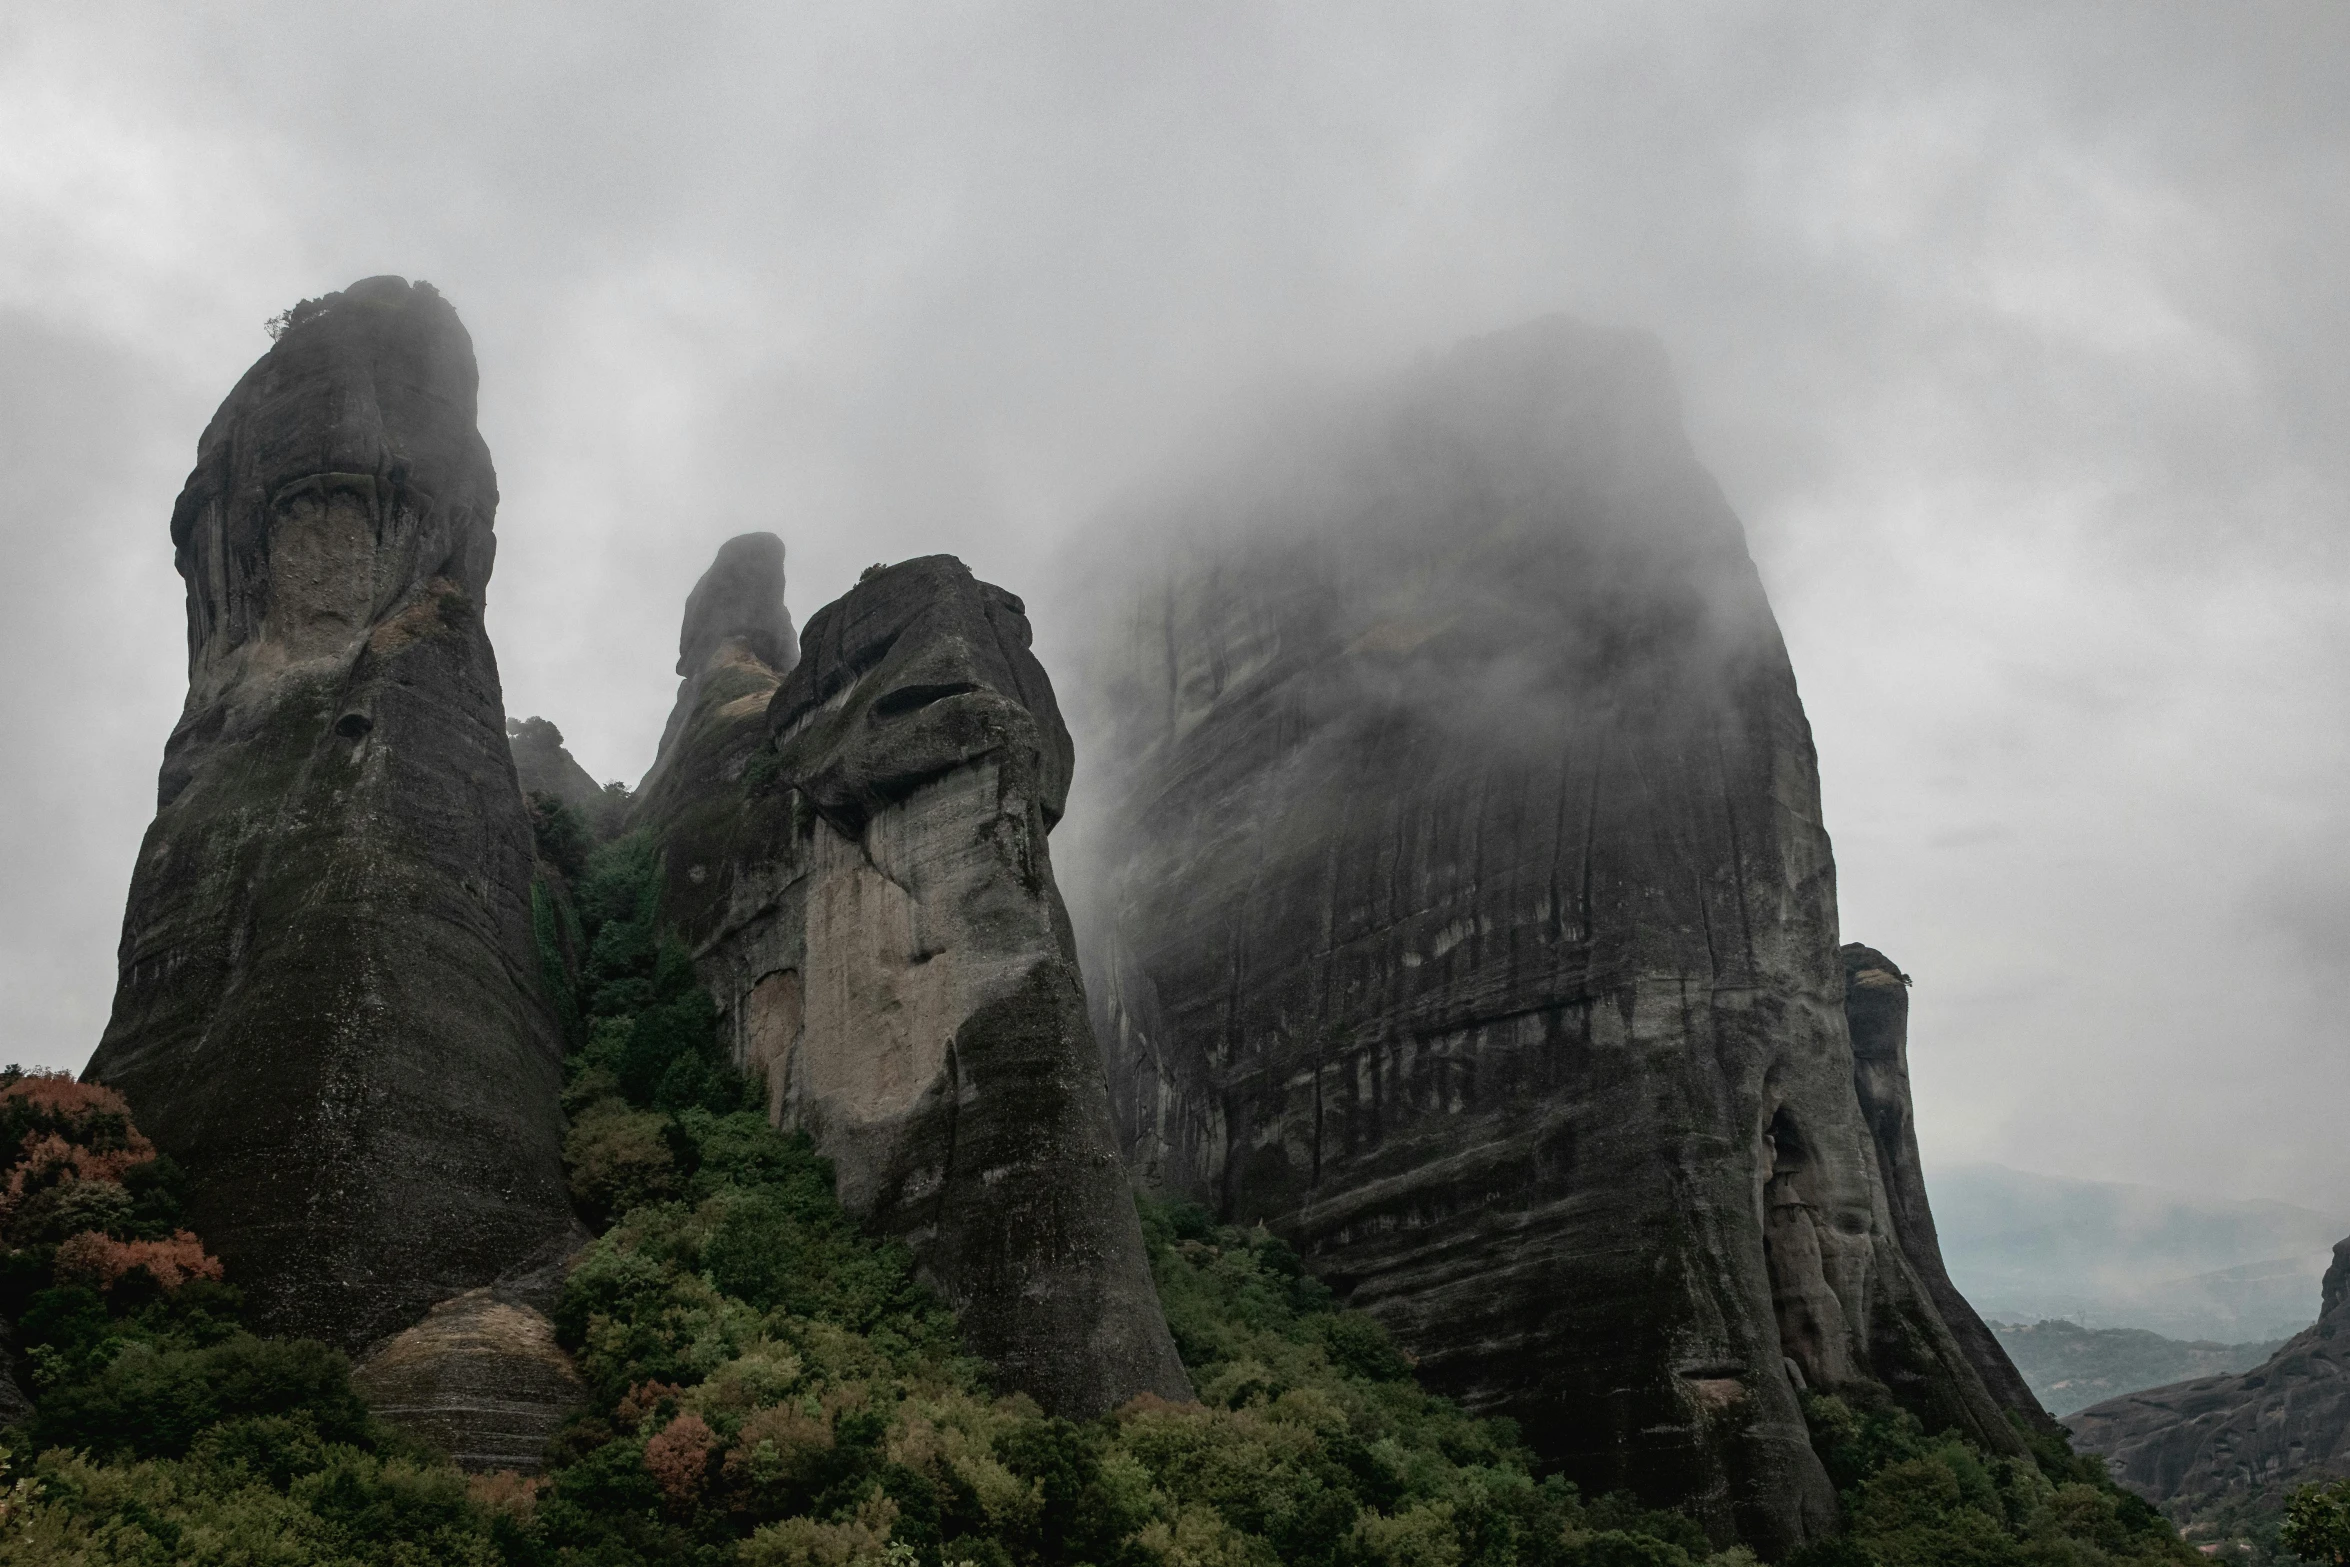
x=2027, y=1247
x=2069, y=1367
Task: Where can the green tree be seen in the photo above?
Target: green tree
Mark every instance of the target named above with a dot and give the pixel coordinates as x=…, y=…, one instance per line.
x=2317, y=1523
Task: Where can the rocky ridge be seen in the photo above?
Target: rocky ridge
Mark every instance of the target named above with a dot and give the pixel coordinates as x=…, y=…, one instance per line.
x=543, y=765
x=2198, y=1442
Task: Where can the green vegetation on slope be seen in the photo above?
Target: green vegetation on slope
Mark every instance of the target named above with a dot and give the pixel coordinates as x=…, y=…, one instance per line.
x=2070, y=1367
x=767, y=1386
x=1917, y=1500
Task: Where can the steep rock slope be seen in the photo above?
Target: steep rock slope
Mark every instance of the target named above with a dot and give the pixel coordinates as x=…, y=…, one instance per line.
x=329, y=1010
x=1876, y=1010
x=2285, y=1421
x=1468, y=918
x=860, y=862
x=544, y=765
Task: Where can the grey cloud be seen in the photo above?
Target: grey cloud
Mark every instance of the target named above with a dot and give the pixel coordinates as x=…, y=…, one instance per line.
x=2016, y=333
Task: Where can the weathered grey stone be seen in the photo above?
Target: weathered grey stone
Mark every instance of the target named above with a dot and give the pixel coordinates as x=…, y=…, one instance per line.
x=329, y=1009
x=862, y=870
x=735, y=615
x=543, y=765
x=1469, y=920
x=1876, y=1008
x=2279, y=1425
x=481, y=1376
x=733, y=649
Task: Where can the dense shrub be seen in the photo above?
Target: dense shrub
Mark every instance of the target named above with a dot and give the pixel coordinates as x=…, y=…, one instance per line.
x=1917, y=1500
x=770, y=1387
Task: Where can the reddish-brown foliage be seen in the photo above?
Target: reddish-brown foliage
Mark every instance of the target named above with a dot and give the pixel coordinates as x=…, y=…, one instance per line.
x=641, y=1400
x=506, y=1492
x=776, y=1443
x=93, y=1257
x=64, y=1130
x=57, y=1094
x=679, y=1457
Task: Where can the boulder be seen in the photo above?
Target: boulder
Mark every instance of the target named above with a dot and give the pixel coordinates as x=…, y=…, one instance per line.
x=860, y=865
x=543, y=765
x=329, y=1009
x=1467, y=917
x=2214, y=1439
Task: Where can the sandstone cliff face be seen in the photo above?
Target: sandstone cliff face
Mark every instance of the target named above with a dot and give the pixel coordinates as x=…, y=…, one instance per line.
x=1876, y=1009
x=1468, y=918
x=328, y=1009
x=2285, y=1422
x=861, y=864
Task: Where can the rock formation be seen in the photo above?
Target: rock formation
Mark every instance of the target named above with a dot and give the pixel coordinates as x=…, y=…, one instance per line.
x=2285, y=1422
x=1876, y=1009
x=329, y=1011
x=735, y=646
x=861, y=865
x=1467, y=917
x=542, y=765
x=481, y=1376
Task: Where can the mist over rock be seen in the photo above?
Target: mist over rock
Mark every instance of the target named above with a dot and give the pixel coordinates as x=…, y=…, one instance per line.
x=734, y=617
x=329, y=1011
x=856, y=851
x=543, y=765
x=1876, y=1009
x=1467, y=917
x=2198, y=1442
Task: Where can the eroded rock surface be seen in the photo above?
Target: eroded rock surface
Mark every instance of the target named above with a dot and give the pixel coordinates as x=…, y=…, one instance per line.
x=1876, y=1009
x=1469, y=919
x=329, y=1011
x=481, y=1376
x=861, y=864
x=2281, y=1424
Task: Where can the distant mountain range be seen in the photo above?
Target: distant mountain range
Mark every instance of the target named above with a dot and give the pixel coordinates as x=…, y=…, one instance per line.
x=2101, y=1254
x=2071, y=1367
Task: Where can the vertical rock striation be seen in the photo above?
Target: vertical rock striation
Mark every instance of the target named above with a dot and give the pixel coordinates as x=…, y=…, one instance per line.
x=328, y=1009
x=1468, y=918
x=1876, y=1010
x=860, y=863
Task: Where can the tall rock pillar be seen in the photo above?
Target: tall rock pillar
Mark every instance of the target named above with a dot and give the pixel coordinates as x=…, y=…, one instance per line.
x=329, y=1009
x=861, y=865
x=1469, y=919
x=1876, y=1007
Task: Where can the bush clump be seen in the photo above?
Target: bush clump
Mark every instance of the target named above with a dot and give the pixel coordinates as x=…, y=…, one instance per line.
x=771, y=1388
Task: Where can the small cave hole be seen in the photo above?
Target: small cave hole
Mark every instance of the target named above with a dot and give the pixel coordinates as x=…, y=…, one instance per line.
x=905, y=699
x=353, y=725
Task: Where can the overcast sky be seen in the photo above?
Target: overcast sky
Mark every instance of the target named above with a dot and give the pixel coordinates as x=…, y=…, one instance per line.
x=2017, y=335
